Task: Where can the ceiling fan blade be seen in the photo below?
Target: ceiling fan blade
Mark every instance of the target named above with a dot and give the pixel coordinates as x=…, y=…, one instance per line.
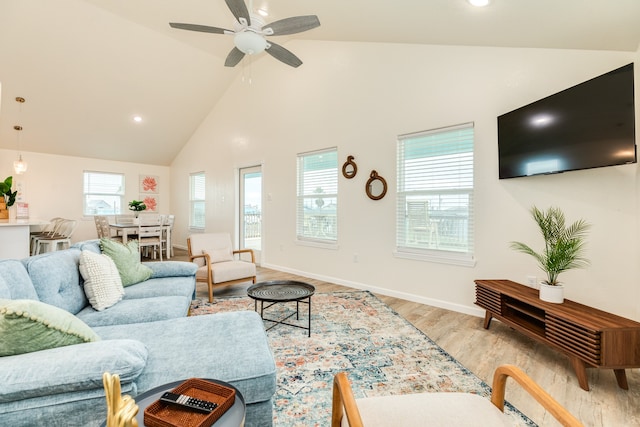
x=239, y=10
x=296, y=24
x=201, y=28
x=284, y=55
x=234, y=57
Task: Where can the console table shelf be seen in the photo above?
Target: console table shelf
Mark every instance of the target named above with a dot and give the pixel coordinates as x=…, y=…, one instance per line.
x=591, y=338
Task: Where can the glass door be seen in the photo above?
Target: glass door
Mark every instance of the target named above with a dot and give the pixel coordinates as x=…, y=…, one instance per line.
x=251, y=209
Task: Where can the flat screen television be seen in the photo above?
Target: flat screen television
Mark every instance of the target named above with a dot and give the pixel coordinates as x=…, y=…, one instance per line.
x=589, y=125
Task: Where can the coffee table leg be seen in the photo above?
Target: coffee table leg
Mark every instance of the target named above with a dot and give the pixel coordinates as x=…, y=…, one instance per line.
x=309, y=316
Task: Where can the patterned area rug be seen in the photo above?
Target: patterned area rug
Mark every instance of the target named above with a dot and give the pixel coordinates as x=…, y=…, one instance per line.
x=382, y=352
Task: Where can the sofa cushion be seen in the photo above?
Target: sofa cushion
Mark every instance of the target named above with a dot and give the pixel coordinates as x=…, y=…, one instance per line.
x=127, y=259
x=162, y=286
x=219, y=255
x=102, y=283
x=76, y=368
x=29, y=325
x=15, y=282
x=139, y=310
x=171, y=269
x=231, y=347
x=225, y=271
x=56, y=279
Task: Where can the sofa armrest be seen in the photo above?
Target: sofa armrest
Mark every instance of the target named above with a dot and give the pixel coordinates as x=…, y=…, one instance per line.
x=171, y=269
x=71, y=368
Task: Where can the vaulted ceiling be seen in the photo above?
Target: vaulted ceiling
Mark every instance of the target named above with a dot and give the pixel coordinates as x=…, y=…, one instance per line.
x=87, y=67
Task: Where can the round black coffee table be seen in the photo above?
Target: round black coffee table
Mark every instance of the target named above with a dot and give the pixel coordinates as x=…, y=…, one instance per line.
x=280, y=291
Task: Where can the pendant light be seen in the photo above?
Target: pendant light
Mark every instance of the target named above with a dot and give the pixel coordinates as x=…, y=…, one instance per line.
x=19, y=166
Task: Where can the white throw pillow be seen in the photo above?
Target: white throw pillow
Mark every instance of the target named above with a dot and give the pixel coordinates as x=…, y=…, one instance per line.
x=219, y=255
x=102, y=283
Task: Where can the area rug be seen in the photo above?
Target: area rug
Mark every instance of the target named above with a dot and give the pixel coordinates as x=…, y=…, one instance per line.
x=355, y=332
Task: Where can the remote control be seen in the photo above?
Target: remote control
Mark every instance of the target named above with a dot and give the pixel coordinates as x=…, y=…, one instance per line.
x=189, y=402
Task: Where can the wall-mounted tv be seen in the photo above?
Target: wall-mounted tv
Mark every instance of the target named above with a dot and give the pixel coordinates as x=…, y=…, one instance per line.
x=587, y=126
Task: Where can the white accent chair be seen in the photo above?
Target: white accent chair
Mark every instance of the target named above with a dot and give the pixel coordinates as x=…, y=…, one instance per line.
x=218, y=262
x=439, y=409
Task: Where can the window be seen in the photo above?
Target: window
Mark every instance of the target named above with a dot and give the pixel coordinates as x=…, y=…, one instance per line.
x=435, y=195
x=317, y=198
x=103, y=193
x=197, y=200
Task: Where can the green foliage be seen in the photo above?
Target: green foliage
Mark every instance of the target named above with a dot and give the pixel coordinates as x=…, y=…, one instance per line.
x=137, y=205
x=5, y=189
x=564, y=246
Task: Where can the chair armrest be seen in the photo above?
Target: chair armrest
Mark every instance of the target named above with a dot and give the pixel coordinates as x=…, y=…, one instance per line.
x=192, y=257
x=247, y=251
x=531, y=387
x=343, y=400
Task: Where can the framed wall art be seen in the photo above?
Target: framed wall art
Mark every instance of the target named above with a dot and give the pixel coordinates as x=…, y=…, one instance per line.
x=149, y=184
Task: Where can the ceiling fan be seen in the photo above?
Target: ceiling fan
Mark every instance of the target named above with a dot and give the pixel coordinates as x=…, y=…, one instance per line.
x=250, y=31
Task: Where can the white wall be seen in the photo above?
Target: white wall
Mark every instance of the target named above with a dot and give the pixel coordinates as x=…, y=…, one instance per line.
x=359, y=97
x=53, y=185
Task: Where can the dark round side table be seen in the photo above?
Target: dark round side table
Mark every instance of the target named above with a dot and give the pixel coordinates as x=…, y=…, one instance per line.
x=281, y=291
x=234, y=417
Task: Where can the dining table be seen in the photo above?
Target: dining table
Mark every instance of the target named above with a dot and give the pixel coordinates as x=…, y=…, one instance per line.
x=125, y=230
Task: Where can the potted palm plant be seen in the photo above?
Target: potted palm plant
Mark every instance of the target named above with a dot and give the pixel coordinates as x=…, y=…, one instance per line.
x=563, y=249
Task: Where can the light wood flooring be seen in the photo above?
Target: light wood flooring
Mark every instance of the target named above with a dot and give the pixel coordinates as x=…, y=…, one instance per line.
x=481, y=351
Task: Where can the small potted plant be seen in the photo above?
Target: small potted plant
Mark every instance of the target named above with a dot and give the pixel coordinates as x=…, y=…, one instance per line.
x=137, y=206
x=563, y=249
x=8, y=196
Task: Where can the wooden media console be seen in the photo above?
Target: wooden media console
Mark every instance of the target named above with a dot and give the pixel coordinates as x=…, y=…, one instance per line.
x=591, y=338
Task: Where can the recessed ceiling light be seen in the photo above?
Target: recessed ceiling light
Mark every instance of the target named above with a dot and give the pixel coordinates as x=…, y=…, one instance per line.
x=479, y=3
x=137, y=119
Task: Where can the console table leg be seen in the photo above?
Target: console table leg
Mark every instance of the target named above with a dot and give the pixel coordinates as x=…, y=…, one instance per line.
x=487, y=319
x=621, y=377
x=581, y=372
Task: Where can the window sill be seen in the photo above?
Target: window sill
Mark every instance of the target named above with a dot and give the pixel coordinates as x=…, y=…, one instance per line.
x=442, y=257
x=317, y=244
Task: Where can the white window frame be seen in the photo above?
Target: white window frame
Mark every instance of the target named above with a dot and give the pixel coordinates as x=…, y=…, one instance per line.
x=197, y=200
x=93, y=189
x=436, y=167
x=317, y=199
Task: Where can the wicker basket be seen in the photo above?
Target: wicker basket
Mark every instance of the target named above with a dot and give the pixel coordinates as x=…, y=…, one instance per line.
x=160, y=414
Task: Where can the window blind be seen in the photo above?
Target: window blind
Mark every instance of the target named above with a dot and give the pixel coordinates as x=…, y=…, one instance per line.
x=435, y=192
x=197, y=200
x=317, y=196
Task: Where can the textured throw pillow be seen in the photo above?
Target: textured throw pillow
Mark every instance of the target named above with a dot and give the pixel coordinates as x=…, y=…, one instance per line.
x=30, y=325
x=102, y=283
x=127, y=260
x=219, y=255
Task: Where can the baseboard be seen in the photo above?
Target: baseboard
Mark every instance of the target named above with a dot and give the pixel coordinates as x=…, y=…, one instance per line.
x=383, y=291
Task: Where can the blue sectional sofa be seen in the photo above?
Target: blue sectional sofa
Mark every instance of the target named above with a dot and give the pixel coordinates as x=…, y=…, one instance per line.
x=146, y=338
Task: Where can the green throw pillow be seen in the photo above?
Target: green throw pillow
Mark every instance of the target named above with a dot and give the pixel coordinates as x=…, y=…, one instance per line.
x=127, y=260
x=30, y=325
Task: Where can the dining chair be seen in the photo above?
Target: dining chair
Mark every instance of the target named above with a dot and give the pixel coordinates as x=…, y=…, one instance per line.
x=150, y=231
x=440, y=408
x=167, y=231
x=421, y=226
x=103, y=229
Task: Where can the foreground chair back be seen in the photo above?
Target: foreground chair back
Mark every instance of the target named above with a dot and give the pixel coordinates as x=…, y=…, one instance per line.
x=150, y=232
x=439, y=409
x=218, y=262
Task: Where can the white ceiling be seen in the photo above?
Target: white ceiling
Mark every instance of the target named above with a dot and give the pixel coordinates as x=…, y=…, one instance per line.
x=86, y=67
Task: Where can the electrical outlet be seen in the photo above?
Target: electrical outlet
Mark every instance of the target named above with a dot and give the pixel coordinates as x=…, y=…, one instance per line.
x=531, y=281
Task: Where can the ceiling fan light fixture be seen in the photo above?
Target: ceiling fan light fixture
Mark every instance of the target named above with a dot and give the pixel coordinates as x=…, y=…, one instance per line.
x=249, y=42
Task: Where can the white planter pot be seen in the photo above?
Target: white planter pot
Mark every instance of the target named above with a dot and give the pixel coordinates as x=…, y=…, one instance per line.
x=550, y=293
